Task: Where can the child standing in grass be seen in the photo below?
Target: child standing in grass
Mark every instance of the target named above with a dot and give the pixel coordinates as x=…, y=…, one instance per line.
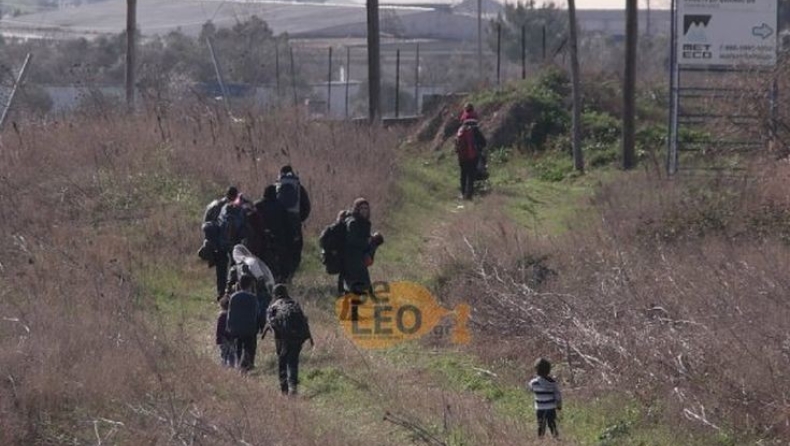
x=548, y=399
x=227, y=348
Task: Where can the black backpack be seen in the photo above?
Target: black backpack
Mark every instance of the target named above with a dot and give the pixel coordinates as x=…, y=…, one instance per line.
x=286, y=318
x=231, y=223
x=332, y=242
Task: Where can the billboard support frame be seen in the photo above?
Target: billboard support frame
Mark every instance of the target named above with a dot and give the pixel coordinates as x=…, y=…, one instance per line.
x=677, y=90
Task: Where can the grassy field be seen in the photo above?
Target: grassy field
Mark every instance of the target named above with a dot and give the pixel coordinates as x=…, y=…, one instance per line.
x=107, y=242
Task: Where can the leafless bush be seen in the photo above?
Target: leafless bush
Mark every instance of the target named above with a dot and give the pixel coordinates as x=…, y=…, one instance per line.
x=90, y=203
x=668, y=291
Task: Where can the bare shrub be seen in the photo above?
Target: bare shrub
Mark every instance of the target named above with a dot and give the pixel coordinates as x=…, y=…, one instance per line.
x=91, y=202
x=672, y=292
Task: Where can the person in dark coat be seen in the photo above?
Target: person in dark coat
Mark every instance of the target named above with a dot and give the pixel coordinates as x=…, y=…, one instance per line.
x=275, y=232
x=218, y=257
x=291, y=329
x=243, y=322
x=227, y=349
x=294, y=197
x=359, y=249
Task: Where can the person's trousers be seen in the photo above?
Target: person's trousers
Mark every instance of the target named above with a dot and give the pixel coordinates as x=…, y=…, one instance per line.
x=547, y=418
x=245, y=351
x=468, y=174
x=221, y=260
x=227, y=353
x=288, y=352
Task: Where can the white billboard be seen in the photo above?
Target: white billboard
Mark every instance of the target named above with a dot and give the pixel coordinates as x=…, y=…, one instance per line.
x=726, y=32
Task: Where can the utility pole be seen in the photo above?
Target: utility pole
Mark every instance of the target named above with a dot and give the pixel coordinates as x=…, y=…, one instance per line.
x=131, y=27
x=277, y=70
x=293, y=76
x=374, y=62
x=329, y=85
x=397, y=83
x=523, y=52
x=629, y=85
x=499, y=54
x=578, y=156
x=417, y=82
x=543, y=43
x=480, y=41
x=348, y=76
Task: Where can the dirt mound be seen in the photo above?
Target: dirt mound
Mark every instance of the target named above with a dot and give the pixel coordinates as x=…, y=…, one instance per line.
x=509, y=119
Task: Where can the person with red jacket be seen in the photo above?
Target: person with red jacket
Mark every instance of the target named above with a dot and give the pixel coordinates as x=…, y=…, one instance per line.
x=469, y=144
x=468, y=113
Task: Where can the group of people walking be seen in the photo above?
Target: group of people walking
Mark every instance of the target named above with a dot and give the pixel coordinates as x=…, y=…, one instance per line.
x=256, y=249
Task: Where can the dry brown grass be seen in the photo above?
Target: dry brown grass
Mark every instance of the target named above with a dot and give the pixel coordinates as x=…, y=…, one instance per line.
x=89, y=203
x=673, y=292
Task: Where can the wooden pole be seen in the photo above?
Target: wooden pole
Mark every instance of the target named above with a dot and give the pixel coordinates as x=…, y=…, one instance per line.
x=523, y=52
x=293, y=77
x=417, y=82
x=397, y=83
x=131, y=27
x=329, y=85
x=348, y=75
x=277, y=70
x=374, y=62
x=544, y=43
x=629, y=85
x=498, y=54
x=578, y=156
x=480, y=41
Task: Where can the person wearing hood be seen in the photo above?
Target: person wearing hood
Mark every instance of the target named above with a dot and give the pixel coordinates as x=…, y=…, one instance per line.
x=291, y=329
x=243, y=323
x=296, y=201
x=211, y=250
x=275, y=232
x=359, y=249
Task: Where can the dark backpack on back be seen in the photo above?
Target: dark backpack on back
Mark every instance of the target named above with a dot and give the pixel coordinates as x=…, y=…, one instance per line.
x=231, y=226
x=288, y=192
x=286, y=318
x=332, y=242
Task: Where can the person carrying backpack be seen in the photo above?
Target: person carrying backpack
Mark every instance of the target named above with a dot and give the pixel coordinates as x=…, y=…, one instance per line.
x=275, y=231
x=243, y=322
x=246, y=264
x=291, y=329
x=211, y=251
x=359, y=249
x=332, y=243
x=293, y=196
x=469, y=145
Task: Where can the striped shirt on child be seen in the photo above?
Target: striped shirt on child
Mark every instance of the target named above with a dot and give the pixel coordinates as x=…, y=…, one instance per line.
x=547, y=393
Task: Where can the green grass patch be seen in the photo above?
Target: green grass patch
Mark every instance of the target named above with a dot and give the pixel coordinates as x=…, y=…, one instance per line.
x=427, y=190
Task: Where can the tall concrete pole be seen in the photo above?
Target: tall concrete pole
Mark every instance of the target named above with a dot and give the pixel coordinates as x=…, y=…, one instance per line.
x=131, y=26
x=374, y=62
x=480, y=41
x=578, y=156
x=629, y=85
